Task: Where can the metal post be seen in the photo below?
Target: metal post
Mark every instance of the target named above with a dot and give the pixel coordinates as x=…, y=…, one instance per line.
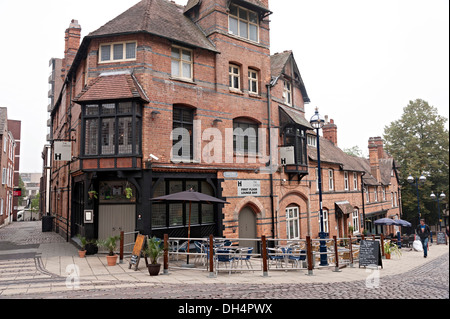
x=350, y=248
x=382, y=245
x=322, y=234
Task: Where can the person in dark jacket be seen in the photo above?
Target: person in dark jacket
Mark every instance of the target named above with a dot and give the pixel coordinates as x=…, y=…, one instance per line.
x=424, y=232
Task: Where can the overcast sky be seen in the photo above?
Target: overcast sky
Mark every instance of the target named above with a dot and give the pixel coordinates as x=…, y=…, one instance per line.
x=362, y=61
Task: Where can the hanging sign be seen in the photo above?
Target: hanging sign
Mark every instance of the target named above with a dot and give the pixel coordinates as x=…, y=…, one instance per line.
x=62, y=151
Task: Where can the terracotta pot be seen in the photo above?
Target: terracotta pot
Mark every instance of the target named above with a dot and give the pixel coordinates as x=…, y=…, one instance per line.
x=82, y=253
x=153, y=269
x=388, y=256
x=112, y=260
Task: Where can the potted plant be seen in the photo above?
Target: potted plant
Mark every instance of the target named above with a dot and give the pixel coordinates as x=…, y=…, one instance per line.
x=154, y=251
x=110, y=244
x=82, y=251
x=128, y=192
x=390, y=248
x=92, y=194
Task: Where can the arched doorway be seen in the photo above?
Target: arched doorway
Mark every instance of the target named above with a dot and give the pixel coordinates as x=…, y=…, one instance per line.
x=247, y=227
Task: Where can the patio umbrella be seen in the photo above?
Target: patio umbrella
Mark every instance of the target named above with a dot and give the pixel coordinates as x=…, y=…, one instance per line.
x=404, y=223
x=385, y=221
x=190, y=197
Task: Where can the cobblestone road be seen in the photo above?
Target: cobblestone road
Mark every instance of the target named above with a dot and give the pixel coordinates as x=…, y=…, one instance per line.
x=430, y=281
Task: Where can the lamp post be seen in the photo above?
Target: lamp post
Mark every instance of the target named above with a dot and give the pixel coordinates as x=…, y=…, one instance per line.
x=434, y=197
x=317, y=123
x=416, y=182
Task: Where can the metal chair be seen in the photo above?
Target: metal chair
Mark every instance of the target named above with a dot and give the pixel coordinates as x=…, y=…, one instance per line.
x=275, y=255
x=244, y=255
x=224, y=256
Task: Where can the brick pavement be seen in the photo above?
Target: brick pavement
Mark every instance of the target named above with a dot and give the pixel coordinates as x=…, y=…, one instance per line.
x=411, y=276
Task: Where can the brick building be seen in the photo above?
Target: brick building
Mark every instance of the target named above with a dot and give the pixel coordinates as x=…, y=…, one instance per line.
x=165, y=98
x=9, y=166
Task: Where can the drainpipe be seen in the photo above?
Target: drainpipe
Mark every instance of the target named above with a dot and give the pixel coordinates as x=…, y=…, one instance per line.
x=272, y=205
x=362, y=197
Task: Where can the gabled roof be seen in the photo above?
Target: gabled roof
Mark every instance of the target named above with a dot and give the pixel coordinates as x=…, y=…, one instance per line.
x=278, y=63
x=158, y=17
x=112, y=87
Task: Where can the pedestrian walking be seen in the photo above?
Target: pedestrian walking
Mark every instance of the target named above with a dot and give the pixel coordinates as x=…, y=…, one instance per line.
x=424, y=232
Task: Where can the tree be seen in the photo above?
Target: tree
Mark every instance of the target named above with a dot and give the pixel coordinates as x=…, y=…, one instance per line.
x=419, y=143
x=354, y=151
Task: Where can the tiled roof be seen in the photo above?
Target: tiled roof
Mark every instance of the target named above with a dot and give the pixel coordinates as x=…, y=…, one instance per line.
x=295, y=116
x=159, y=17
x=112, y=87
x=277, y=63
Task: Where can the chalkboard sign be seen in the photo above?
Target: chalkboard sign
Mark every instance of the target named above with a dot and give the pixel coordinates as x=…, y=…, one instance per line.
x=369, y=253
x=137, y=250
x=441, y=238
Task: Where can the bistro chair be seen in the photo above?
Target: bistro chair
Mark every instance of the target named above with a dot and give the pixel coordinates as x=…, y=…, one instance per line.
x=224, y=256
x=275, y=255
x=296, y=256
x=245, y=254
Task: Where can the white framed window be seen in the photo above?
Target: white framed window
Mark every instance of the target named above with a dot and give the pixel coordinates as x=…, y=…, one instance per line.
x=1, y=206
x=355, y=220
x=330, y=179
x=287, y=93
x=292, y=222
x=4, y=175
x=253, y=81
x=317, y=179
x=355, y=181
x=312, y=140
x=117, y=52
x=392, y=199
x=395, y=200
x=182, y=64
x=243, y=23
x=235, y=77
x=346, y=187
x=383, y=190
x=367, y=194
x=375, y=193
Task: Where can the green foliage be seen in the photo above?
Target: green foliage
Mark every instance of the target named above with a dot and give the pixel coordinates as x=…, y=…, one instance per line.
x=109, y=243
x=419, y=143
x=154, y=250
x=83, y=241
x=390, y=248
x=354, y=151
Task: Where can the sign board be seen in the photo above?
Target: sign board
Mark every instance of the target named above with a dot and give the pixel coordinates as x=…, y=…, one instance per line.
x=370, y=253
x=62, y=151
x=88, y=216
x=287, y=155
x=249, y=188
x=441, y=238
x=137, y=250
x=230, y=174
x=17, y=192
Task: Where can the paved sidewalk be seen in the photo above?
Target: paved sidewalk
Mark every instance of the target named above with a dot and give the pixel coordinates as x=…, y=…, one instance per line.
x=56, y=260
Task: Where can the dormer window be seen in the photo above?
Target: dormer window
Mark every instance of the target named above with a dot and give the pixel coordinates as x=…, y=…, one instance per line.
x=243, y=23
x=117, y=52
x=287, y=93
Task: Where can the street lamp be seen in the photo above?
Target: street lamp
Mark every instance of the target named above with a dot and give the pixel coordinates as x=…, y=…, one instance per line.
x=434, y=197
x=416, y=182
x=317, y=123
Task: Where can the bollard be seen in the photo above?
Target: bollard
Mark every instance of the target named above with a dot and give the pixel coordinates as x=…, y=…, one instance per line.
x=211, y=257
x=382, y=246
x=166, y=254
x=350, y=248
x=264, y=256
x=336, y=255
x=309, y=255
x=122, y=236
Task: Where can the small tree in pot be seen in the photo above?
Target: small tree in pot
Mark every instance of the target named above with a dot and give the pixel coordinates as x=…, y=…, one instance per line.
x=110, y=244
x=82, y=251
x=154, y=251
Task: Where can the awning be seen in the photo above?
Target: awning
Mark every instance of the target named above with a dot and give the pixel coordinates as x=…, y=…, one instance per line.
x=344, y=207
x=294, y=117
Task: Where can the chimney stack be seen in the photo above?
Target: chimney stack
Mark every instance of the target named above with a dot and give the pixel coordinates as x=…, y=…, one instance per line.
x=330, y=131
x=376, y=152
x=72, y=43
